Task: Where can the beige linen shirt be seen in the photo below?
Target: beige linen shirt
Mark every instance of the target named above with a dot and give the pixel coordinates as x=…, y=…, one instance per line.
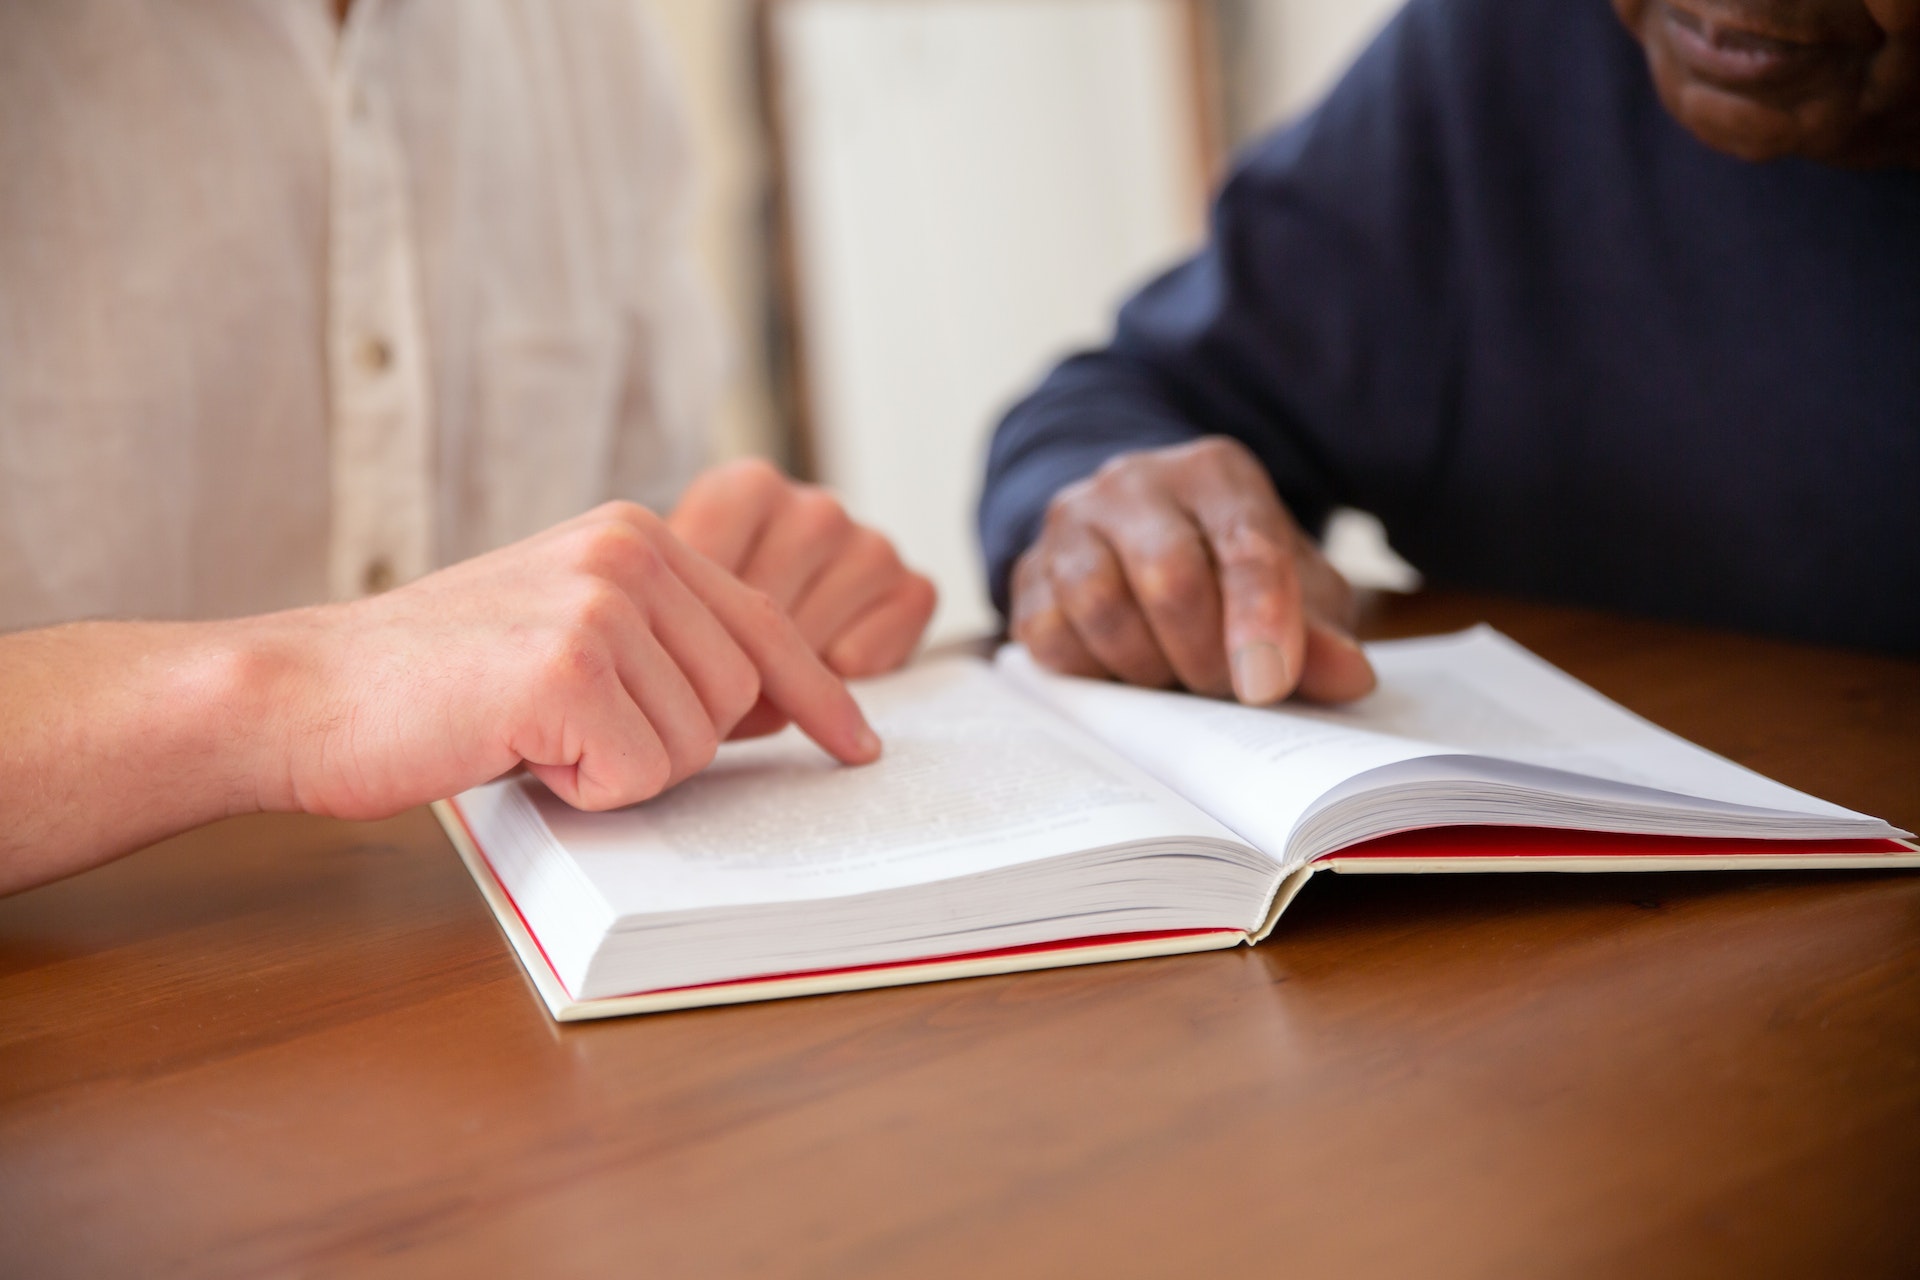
x=290, y=310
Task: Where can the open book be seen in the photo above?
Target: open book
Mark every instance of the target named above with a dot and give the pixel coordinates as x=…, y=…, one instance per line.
x=1023, y=820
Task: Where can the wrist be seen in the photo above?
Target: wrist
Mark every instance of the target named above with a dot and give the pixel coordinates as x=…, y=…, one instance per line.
x=245, y=692
x=119, y=734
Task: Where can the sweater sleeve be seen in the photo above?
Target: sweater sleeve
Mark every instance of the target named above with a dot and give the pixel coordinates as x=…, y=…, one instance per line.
x=1312, y=326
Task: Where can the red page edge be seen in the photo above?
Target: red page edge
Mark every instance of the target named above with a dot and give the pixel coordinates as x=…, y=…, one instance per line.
x=1553, y=842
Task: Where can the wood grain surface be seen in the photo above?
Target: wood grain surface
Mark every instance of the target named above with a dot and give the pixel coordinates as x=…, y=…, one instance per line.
x=293, y=1046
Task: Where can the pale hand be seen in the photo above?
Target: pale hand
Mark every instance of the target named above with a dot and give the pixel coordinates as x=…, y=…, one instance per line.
x=861, y=609
x=603, y=653
x=1181, y=566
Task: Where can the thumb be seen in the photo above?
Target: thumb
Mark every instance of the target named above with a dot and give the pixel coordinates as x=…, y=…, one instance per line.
x=1336, y=668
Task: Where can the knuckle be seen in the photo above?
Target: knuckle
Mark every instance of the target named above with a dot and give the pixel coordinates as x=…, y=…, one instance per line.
x=644, y=560
x=1127, y=467
x=1264, y=608
x=1172, y=584
x=1068, y=505
x=820, y=515
x=1217, y=453
x=1244, y=543
x=611, y=548
x=1115, y=468
x=567, y=665
x=593, y=610
x=621, y=511
x=1124, y=482
x=1119, y=478
x=1099, y=606
x=1030, y=573
x=585, y=549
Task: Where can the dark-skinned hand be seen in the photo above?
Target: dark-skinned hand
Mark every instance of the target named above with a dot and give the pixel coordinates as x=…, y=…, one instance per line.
x=1181, y=567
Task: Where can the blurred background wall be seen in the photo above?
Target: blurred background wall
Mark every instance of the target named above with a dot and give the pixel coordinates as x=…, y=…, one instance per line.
x=909, y=208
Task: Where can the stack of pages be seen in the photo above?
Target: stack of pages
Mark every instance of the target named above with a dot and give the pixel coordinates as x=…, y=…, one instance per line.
x=1022, y=820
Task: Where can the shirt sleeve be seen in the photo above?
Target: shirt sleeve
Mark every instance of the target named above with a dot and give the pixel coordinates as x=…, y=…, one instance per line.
x=1312, y=326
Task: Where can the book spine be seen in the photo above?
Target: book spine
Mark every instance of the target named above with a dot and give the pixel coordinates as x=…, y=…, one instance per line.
x=1283, y=895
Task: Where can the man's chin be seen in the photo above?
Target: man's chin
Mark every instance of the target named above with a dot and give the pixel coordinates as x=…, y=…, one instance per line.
x=1757, y=124
x=1831, y=93
x=1739, y=126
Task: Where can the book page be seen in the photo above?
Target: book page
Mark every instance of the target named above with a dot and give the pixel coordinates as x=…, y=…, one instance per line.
x=1261, y=770
x=973, y=778
x=1480, y=692
x=1257, y=769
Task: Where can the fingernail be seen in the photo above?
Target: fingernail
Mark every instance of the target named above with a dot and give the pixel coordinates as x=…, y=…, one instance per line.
x=1260, y=673
x=868, y=742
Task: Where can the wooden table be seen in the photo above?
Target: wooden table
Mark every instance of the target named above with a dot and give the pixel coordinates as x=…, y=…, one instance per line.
x=295, y=1046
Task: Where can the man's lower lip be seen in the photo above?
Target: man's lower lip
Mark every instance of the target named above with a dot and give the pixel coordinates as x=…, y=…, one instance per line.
x=1732, y=57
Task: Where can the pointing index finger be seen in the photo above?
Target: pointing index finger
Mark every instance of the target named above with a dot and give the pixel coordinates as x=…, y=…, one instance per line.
x=792, y=677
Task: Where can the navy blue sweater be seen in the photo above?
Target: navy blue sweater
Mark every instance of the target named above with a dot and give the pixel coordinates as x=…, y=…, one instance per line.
x=1493, y=293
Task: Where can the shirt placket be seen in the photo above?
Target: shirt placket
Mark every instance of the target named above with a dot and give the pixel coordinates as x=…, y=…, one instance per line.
x=380, y=442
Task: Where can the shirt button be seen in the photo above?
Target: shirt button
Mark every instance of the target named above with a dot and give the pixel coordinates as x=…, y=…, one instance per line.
x=376, y=354
x=378, y=576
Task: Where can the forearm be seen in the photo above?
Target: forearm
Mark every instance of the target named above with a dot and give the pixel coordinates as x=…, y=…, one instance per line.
x=603, y=654
x=117, y=734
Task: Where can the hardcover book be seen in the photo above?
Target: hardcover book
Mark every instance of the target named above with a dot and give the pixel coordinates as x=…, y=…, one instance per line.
x=1021, y=820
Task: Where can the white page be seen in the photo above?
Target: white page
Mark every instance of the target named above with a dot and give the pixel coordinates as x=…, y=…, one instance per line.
x=1480, y=692
x=1260, y=770
x=973, y=778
